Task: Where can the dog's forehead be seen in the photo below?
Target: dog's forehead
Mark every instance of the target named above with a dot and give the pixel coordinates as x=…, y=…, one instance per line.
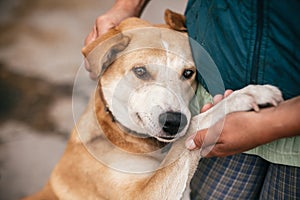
x=132, y=40
x=154, y=56
x=162, y=47
x=165, y=39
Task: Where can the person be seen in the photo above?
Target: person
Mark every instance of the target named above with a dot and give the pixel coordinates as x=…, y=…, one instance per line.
x=257, y=155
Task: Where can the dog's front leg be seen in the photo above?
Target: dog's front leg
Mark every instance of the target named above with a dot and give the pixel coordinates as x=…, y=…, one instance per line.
x=245, y=99
x=180, y=164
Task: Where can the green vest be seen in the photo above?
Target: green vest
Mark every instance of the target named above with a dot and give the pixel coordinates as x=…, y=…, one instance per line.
x=252, y=42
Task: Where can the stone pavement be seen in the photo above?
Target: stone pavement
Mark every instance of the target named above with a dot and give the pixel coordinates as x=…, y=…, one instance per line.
x=40, y=43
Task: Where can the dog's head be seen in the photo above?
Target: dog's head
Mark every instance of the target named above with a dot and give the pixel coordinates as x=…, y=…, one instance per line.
x=147, y=77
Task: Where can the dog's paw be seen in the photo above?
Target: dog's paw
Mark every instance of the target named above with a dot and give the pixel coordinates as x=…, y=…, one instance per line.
x=253, y=96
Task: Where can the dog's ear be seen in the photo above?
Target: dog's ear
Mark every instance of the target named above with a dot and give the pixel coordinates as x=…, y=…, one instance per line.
x=103, y=51
x=175, y=20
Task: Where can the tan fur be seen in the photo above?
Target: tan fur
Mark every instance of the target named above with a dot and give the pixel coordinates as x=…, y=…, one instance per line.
x=87, y=49
x=175, y=21
x=80, y=174
x=119, y=137
x=125, y=25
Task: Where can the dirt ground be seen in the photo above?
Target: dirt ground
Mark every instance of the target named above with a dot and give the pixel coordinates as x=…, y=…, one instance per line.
x=40, y=43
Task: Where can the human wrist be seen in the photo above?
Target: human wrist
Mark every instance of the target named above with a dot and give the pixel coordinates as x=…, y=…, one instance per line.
x=132, y=8
x=123, y=9
x=267, y=128
x=256, y=125
x=285, y=118
x=273, y=123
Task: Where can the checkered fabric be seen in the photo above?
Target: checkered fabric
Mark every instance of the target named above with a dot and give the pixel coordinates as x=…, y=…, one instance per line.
x=242, y=177
x=281, y=182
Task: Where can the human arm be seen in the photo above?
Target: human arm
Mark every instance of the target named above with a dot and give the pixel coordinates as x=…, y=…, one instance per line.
x=121, y=10
x=242, y=131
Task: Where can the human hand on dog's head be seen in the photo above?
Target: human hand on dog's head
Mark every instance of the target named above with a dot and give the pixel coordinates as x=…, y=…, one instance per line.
x=102, y=24
x=121, y=10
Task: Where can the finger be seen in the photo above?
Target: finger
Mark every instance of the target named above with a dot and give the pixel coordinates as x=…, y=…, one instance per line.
x=87, y=65
x=227, y=93
x=93, y=76
x=190, y=143
x=195, y=141
x=90, y=38
x=200, y=140
x=207, y=152
x=207, y=137
x=217, y=98
x=206, y=107
x=98, y=30
x=102, y=27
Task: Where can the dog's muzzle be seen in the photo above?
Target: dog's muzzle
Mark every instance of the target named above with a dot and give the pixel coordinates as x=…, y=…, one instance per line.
x=172, y=123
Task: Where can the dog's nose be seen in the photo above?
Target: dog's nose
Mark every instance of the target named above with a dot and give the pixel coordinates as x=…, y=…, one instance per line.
x=172, y=122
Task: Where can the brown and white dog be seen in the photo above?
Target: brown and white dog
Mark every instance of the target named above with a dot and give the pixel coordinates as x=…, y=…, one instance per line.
x=141, y=105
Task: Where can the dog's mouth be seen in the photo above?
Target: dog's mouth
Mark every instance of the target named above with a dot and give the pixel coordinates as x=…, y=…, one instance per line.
x=161, y=138
x=169, y=127
x=166, y=139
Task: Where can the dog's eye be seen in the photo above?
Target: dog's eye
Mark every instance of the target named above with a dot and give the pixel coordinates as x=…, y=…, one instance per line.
x=187, y=74
x=141, y=72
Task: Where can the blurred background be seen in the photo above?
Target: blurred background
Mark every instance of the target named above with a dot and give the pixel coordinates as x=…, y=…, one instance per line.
x=40, y=44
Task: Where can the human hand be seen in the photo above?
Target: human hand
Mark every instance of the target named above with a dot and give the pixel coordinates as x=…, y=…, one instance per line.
x=227, y=138
x=121, y=10
x=241, y=131
x=102, y=24
x=217, y=98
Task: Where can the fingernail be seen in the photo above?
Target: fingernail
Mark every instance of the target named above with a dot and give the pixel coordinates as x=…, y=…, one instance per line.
x=190, y=144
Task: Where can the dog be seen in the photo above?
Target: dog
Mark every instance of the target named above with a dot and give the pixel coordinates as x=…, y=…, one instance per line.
x=121, y=146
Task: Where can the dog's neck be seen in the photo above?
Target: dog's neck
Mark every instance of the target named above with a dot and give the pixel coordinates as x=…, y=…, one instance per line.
x=118, y=134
